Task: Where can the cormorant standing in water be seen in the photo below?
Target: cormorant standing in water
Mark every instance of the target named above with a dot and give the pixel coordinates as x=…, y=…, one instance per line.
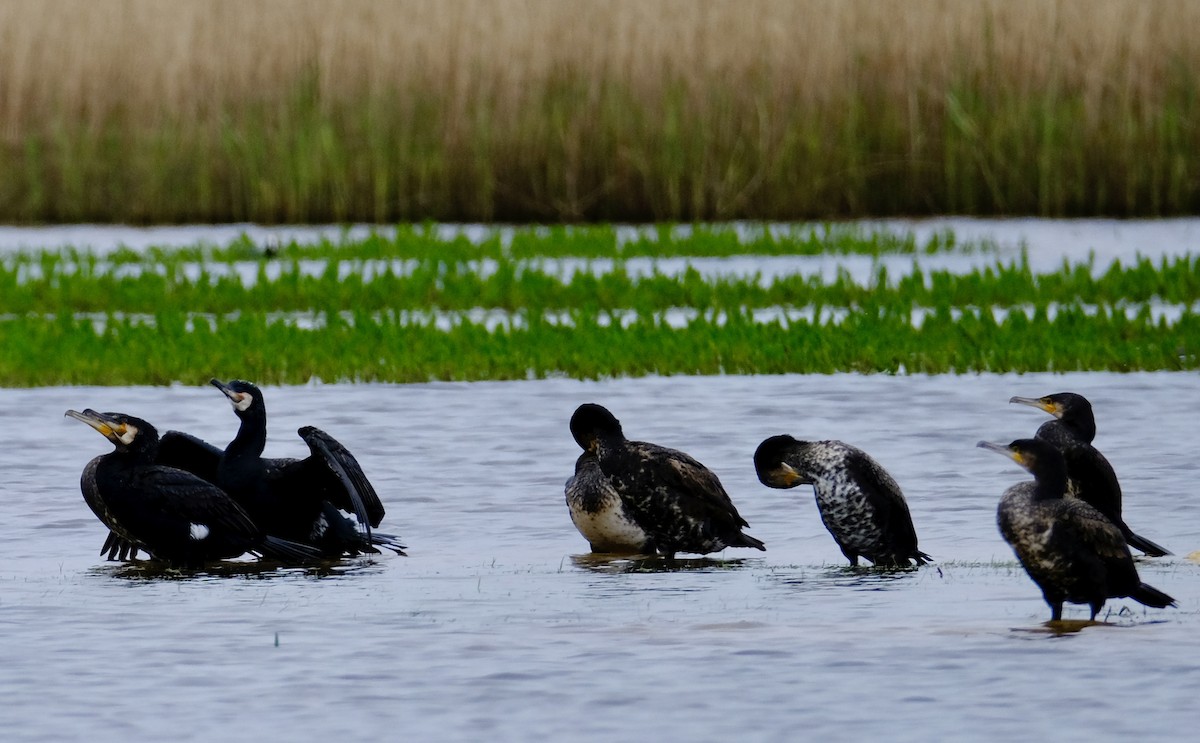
x=599, y=513
x=678, y=502
x=1068, y=547
x=171, y=514
x=1089, y=475
x=299, y=499
x=859, y=502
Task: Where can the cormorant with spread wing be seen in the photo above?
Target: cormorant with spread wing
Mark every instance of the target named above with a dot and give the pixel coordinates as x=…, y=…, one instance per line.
x=299, y=499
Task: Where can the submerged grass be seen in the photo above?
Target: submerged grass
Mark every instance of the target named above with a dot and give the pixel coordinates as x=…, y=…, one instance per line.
x=54, y=284
x=70, y=317
x=69, y=350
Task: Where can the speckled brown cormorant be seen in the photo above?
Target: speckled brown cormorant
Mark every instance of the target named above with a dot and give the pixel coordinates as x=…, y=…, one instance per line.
x=678, y=502
x=1090, y=477
x=859, y=502
x=299, y=499
x=1070, y=549
x=599, y=513
x=169, y=513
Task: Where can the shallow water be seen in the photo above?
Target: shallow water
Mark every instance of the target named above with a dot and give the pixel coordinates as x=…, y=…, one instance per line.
x=500, y=624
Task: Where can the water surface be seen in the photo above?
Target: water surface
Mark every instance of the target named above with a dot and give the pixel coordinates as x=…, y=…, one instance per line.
x=500, y=624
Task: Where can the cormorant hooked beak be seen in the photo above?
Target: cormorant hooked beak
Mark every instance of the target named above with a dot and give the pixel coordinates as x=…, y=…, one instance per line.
x=115, y=431
x=1005, y=449
x=788, y=474
x=239, y=400
x=1041, y=403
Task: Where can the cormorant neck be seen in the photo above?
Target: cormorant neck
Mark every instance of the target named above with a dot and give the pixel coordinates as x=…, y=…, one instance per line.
x=1051, y=485
x=1083, y=426
x=251, y=437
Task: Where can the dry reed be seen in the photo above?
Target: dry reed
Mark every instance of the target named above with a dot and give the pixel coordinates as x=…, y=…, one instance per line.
x=311, y=110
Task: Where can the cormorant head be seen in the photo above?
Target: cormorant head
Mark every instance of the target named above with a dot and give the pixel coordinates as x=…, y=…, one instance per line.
x=242, y=395
x=591, y=424
x=125, y=431
x=1070, y=408
x=770, y=462
x=1039, y=458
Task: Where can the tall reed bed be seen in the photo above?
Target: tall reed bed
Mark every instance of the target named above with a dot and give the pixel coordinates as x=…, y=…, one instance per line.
x=308, y=110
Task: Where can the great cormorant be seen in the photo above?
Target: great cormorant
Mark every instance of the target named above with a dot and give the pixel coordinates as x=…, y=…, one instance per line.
x=1070, y=549
x=299, y=499
x=1089, y=475
x=859, y=502
x=169, y=513
x=678, y=502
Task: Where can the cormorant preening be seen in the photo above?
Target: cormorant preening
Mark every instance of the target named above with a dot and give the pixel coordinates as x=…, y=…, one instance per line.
x=169, y=513
x=1089, y=475
x=678, y=502
x=299, y=499
x=860, y=504
x=599, y=513
x=1068, y=547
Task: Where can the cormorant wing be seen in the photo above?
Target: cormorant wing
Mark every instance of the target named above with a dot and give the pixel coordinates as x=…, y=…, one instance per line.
x=172, y=495
x=1093, y=480
x=705, y=494
x=356, y=493
x=186, y=452
x=885, y=495
x=1093, y=530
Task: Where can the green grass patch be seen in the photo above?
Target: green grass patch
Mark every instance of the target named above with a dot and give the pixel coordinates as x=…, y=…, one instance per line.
x=406, y=308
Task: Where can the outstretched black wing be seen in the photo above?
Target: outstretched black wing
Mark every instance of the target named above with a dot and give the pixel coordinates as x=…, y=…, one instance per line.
x=354, y=491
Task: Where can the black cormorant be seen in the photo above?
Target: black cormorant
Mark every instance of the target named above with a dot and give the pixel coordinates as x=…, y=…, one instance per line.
x=1070, y=549
x=169, y=513
x=678, y=502
x=299, y=499
x=181, y=451
x=599, y=513
x=1089, y=475
x=859, y=502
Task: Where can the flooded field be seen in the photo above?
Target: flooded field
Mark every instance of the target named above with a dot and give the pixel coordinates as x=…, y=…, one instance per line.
x=501, y=625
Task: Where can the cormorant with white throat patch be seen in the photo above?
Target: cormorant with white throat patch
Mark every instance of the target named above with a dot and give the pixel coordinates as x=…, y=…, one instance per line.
x=678, y=502
x=859, y=502
x=299, y=499
x=1090, y=477
x=1070, y=549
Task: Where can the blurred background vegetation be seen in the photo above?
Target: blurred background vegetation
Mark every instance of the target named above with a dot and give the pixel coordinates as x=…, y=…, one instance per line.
x=150, y=111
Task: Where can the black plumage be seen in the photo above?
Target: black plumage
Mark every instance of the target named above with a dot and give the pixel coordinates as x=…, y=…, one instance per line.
x=1069, y=549
x=1090, y=477
x=299, y=499
x=600, y=514
x=169, y=513
x=859, y=502
x=181, y=451
x=678, y=502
